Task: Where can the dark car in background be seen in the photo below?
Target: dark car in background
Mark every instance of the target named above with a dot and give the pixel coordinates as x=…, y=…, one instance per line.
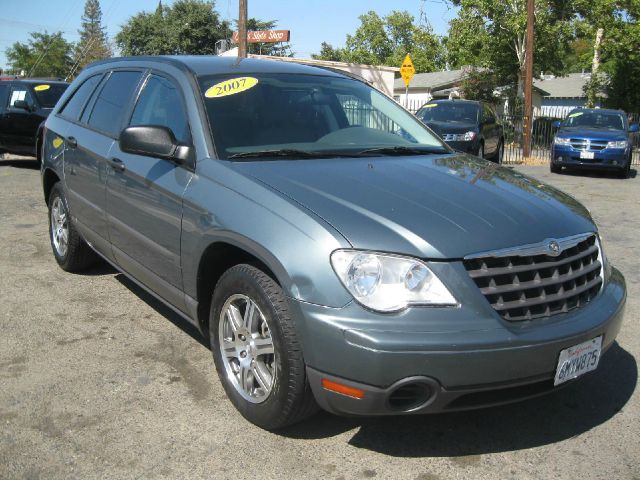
x=595, y=139
x=344, y=259
x=24, y=106
x=465, y=125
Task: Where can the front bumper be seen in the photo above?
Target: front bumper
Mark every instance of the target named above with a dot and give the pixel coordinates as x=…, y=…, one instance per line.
x=449, y=359
x=470, y=147
x=607, y=159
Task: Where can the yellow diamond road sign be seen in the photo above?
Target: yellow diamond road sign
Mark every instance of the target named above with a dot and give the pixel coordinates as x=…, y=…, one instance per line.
x=407, y=70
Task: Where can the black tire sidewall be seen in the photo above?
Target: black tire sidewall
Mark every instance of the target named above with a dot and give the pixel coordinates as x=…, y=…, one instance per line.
x=265, y=414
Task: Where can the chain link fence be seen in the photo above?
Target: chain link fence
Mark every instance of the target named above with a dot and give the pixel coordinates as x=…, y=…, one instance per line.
x=542, y=134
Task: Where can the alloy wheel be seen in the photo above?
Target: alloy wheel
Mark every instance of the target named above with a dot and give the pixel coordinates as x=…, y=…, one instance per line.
x=247, y=348
x=59, y=227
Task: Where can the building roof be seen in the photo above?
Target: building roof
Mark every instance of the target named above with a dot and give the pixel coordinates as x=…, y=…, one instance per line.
x=570, y=86
x=433, y=80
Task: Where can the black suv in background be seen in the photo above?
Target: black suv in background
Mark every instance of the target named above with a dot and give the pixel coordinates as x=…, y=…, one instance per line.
x=24, y=106
x=465, y=125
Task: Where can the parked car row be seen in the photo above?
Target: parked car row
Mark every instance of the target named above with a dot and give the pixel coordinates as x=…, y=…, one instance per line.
x=24, y=105
x=330, y=247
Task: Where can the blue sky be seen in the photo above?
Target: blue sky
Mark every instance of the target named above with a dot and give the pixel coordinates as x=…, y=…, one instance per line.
x=311, y=22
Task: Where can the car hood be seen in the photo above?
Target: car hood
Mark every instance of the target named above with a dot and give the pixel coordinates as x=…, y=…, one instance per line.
x=451, y=127
x=592, y=133
x=440, y=206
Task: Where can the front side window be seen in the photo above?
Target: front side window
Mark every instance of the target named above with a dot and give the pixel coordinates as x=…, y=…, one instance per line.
x=308, y=114
x=76, y=103
x=20, y=93
x=111, y=104
x=160, y=104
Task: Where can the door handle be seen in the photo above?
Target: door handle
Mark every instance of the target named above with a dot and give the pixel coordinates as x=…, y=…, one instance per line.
x=117, y=165
x=72, y=142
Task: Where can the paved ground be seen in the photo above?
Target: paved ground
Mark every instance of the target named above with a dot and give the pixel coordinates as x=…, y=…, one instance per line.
x=97, y=380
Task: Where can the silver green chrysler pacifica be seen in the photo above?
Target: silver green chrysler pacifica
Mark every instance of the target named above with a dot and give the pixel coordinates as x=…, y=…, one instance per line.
x=333, y=251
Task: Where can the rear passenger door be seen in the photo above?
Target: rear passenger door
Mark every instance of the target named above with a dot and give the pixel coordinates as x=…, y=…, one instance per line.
x=144, y=197
x=93, y=130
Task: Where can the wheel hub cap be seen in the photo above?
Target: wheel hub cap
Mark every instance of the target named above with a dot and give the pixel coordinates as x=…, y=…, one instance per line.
x=247, y=348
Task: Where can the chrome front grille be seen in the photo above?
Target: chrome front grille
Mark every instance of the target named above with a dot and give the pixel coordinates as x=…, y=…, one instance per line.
x=585, y=144
x=539, y=280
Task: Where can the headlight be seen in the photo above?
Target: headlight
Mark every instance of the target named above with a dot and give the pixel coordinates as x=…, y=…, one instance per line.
x=461, y=137
x=388, y=283
x=562, y=141
x=469, y=136
x=617, y=144
x=602, y=257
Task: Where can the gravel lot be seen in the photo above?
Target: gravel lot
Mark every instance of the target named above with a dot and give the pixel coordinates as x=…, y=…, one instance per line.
x=98, y=380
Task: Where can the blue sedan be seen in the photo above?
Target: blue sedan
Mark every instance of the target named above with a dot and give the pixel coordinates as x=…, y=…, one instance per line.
x=594, y=139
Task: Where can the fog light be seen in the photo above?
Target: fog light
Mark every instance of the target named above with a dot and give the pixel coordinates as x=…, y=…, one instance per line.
x=559, y=159
x=615, y=162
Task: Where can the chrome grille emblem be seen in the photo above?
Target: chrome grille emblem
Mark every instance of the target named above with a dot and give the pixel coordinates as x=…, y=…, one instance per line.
x=554, y=248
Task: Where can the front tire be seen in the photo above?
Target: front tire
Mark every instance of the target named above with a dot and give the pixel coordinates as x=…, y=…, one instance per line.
x=256, y=349
x=626, y=171
x=480, y=153
x=555, y=168
x=69, y=249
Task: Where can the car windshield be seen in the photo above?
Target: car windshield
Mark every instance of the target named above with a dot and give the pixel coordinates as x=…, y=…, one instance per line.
x=449, y=112
x=302, y=116
x=49, y=93
x=610, y=120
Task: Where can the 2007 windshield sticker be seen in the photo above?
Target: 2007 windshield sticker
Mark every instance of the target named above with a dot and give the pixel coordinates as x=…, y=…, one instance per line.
x=231, y=87
x=577, y=114
x=40, y=88
x=431, y=105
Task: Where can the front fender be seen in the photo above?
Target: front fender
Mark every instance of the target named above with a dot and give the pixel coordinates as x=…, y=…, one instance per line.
x=222, y=205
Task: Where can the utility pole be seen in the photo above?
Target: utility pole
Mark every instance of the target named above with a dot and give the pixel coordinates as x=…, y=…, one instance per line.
x=528, y=82
x=242, y=30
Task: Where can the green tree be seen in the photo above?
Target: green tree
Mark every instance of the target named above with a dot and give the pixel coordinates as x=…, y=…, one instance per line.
x=468, y=40
x=502, y=28
x=186, y=27
x=93, y=44
x=387, y=40
x=44, y=55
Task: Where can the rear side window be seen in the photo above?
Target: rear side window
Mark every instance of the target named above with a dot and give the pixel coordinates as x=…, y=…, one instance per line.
x=160, y=104
x=48, y=94
x=78, y=100
x=112, y=101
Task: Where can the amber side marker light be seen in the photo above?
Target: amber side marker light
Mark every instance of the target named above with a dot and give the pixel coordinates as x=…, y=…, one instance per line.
x=342, y=389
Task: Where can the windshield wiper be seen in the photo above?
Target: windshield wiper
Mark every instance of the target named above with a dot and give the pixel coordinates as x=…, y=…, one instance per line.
x=400, y=150
x=289, y=153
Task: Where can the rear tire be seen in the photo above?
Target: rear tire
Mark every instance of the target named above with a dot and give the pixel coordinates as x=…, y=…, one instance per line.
x=69, y=249
x=260, y=364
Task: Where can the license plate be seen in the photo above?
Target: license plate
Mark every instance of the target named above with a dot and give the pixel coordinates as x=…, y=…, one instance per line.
x=587, y=155
x=577, y=360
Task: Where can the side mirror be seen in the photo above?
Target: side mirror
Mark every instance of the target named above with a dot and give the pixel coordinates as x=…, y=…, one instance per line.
x=22, y=104
x=153, y=141
x=556, y=124
x=634, y=128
